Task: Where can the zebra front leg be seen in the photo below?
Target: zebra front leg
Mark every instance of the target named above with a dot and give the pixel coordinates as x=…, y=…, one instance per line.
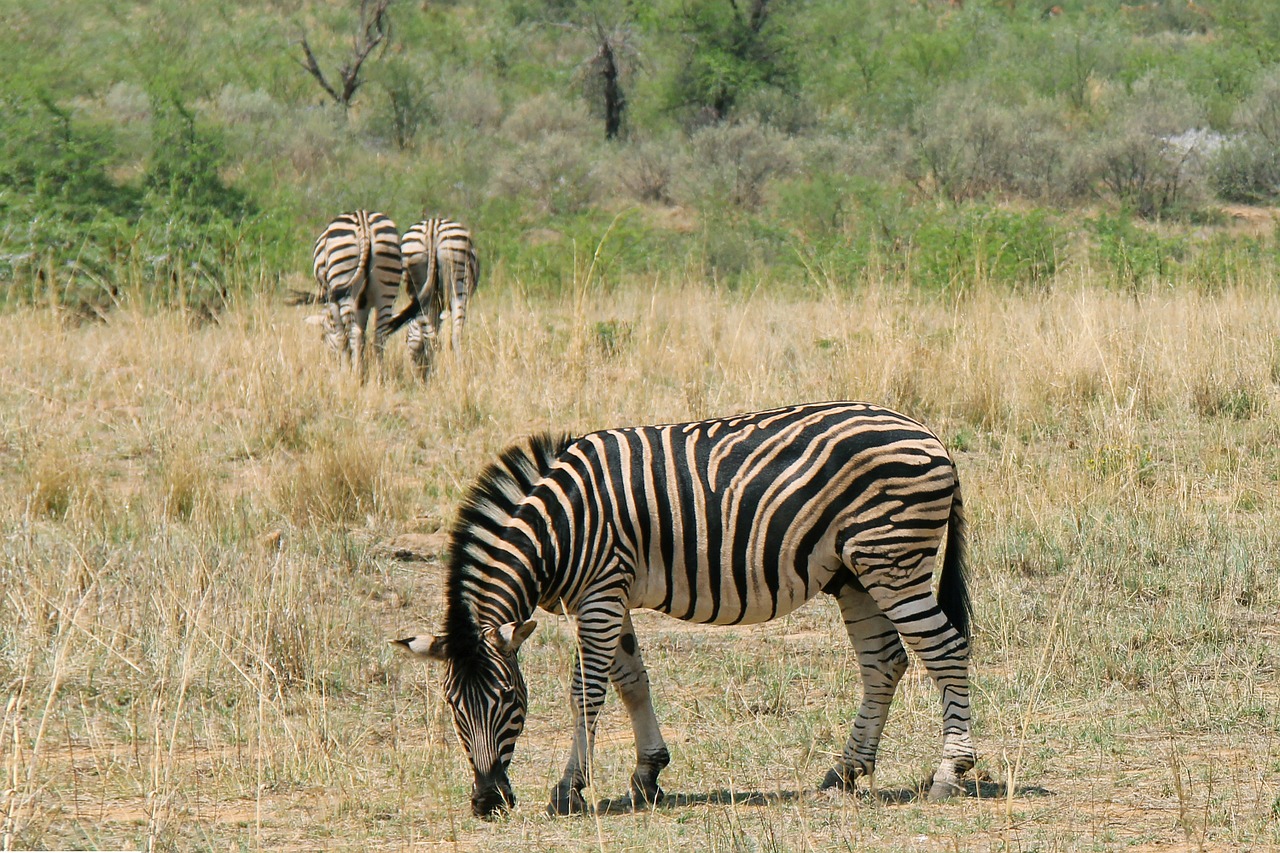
x=914, y=611
x=335, y=331
x=599, y=627
x=882, y=662
x=631, y=680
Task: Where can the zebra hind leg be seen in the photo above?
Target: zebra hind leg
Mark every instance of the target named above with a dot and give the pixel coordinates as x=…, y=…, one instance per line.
x=905, y=596
x=632, y=683
x=355, y=320
x=335, y=331
x=882, y=662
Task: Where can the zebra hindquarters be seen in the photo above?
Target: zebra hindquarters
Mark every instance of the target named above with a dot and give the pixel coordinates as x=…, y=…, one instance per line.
x=895, y=566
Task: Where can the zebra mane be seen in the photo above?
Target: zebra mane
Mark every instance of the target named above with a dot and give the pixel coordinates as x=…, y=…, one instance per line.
x=487, y=508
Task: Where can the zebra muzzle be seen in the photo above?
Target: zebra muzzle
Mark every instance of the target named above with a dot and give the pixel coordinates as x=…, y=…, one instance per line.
x=491, y=794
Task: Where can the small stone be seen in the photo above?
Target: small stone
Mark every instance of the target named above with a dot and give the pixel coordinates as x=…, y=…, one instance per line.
x=424, y=547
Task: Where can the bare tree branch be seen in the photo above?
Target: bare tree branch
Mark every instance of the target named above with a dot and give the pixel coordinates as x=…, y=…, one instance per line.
x=374, y=30
x=313, y=68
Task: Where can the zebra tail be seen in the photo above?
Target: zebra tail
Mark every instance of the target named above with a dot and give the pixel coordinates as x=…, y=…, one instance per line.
x=407, y=313
x=953, y=589
x=363, y=276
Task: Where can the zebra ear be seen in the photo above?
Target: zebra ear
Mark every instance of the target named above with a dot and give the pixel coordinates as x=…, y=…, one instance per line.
x=424, y=646
x=512, y=634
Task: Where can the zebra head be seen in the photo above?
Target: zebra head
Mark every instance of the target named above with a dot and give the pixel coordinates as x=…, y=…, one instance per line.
x=486, y=693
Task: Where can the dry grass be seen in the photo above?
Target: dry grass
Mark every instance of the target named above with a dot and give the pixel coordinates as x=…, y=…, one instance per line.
x=195, y=608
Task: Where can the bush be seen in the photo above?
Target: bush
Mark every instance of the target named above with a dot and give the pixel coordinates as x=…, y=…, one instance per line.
x=967, y=246
x=1148, y=155
x=408, y=105
x=733, y=163
x=646, y=171
x=75, y=236
x=554, y=173
x=967, y=147
x=1133, y=255
x=184, y=174
x=470, y=106
x=730, y=52
x=1247, y=169
x=544, y=115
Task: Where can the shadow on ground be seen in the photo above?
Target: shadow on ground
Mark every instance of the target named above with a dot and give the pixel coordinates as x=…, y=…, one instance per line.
x=986, y=789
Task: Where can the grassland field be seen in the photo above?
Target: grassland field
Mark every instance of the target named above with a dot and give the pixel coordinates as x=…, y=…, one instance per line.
x=208, y=533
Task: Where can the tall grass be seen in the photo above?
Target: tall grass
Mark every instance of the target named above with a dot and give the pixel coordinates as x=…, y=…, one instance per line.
x=195, y=609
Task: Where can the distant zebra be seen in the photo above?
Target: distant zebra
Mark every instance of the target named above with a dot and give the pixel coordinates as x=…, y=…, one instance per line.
x=357, y=265
x=730, y=521
x=440, y=258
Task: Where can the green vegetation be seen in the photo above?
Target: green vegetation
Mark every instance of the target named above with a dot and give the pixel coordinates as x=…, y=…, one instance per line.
x=187, y=146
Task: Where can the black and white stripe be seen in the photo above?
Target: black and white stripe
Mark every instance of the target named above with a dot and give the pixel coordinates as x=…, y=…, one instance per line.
x=728, y=521
x=357, y=265
x=443, y=268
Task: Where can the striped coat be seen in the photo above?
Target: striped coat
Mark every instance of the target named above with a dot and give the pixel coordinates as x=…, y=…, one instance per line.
x=443, y=271
x=357, y=265
x=728, y=521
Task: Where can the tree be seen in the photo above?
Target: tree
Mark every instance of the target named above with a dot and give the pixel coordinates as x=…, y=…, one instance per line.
x=374, y=30
x=603, y=74
x=733, y=49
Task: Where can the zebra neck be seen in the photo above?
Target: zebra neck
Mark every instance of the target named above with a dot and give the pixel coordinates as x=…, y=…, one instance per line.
x=483, y=595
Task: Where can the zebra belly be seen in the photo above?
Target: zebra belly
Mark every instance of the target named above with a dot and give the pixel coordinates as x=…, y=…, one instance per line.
x=726, y=600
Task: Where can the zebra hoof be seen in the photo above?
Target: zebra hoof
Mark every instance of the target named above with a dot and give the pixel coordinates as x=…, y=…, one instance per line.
x=566, y=801
x=836, y=779
x=944, y=789
x=642, y=800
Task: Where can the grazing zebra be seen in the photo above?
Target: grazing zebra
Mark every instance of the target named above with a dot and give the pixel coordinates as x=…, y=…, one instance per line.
x=440, y=258
x=729, y=521
x=357, y=265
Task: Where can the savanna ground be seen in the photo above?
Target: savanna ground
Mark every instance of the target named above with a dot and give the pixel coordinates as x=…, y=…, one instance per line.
x=205, y=549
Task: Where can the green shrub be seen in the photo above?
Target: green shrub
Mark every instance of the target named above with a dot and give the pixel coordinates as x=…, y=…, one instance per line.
x=407, y=103
x=958, y=248
x=1134, y=256
x=1247, y=168
x=731, y=50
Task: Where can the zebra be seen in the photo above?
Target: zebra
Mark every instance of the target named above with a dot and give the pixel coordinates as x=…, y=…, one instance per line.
x=728, y=521
x=357, y=265
x=443, y=271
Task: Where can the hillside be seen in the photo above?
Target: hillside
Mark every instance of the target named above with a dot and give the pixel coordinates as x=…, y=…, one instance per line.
x=187, y=149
